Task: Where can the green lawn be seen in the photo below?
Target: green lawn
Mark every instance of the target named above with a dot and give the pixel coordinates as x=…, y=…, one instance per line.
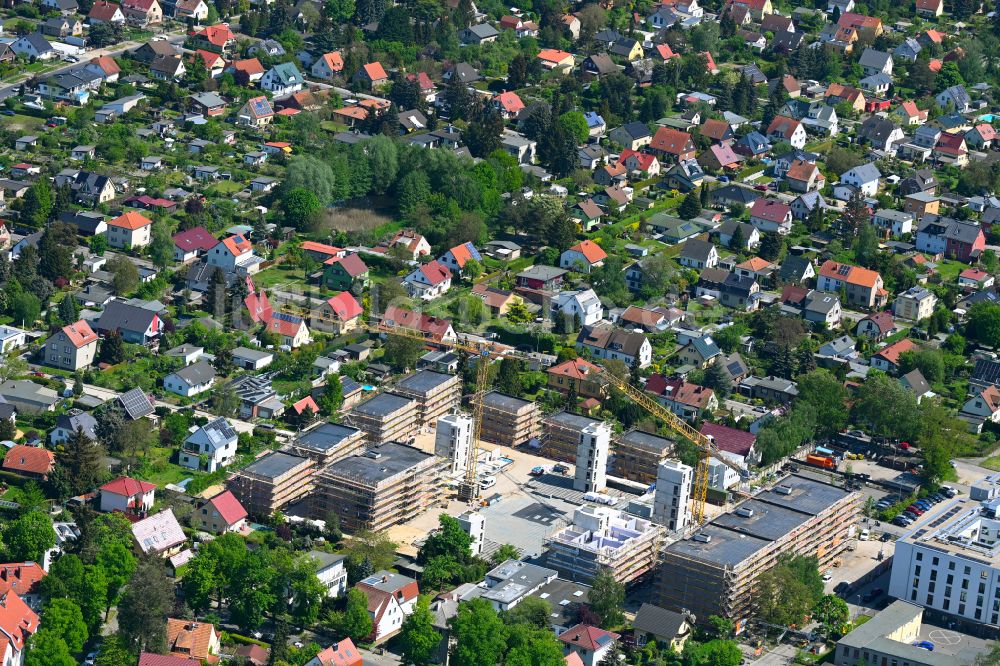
x=280, y=274
x=993, y=462
x=224, y=187
x=949, y=270
x=158, y=469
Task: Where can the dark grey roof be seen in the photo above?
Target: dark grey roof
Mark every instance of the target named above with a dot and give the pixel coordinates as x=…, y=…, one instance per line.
x=274, y=464
x=698, y=250
x=382, y=404
x=571, y=421
x=75, y=419
x=659, y=622
x=793, y=266
x=197, y=373
x=392, y=459
x=423, y=381
x=873, y=58
x=636, y=130
x=326, y=437
x=121, y=316
x=915, y=381
x=502, y=401
x=987, y=371
x=735, y=193
x=647, y=441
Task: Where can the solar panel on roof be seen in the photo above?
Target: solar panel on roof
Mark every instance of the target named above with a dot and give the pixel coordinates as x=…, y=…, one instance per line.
x=135, y=403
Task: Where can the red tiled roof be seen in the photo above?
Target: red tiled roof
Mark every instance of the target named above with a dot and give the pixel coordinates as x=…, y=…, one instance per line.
x=587, y=637
x=334, y=61
x=249, y=66
x=674, y=142
x=229, y=508
x=128, y=487
x=731, y=440
x=435, y=272
x=31, y=459
x=893, y=351
x=17, y=621
x=854, y=274
x=217, y=35
x=554, y=56
x=20, y=577
x=79, y=333
x=509, y=102
x=340, y=654
x=131, y=221
x=195, y=239
x=107, y=64
x=679, y=390
x=237, y=245
x=345, y=306
x=435, y=327
x=375, y=71
x=578, y=368
x=258, y=307
x=591, y=251
x=883, y=320
x=352, y=264
x=150, y=659
x=103, y=11
x=770, y=210
x=320, y=248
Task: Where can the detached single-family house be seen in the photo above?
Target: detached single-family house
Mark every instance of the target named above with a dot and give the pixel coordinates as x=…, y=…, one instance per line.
x=191, y=380
x=282, y=79
x=862, y=287
x=428, y=281
x=130, y=230
x=583, y=257
x=210, y=447
x=72, y=348
x=771, y=215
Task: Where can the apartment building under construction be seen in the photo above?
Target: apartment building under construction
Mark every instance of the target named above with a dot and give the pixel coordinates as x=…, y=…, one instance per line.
x=387, y=417
x=387, y=485
x=638, y=455
x=436, y=393
x=509, y=421
x=329, y=442
x=272, y=482
x=561, y=435
x=715, y=570
x=604, y=538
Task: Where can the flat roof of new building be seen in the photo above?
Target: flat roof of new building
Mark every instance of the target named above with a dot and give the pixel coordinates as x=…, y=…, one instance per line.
x=724, y=546
x=646, y=441
x=569, y=420
x=424, y=381
x=274, y=464
x=392, y=459
x=807, y=495
x=383, y=404
x=954, y=528
x=777, y=511
x=498, y=400
x=326, y=436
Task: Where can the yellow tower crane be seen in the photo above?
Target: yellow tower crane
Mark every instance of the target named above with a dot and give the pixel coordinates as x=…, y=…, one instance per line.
x=487, y=351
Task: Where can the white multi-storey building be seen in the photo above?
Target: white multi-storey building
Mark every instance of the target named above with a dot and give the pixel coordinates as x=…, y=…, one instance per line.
x=954, y=566
x=672, y=501
x=592, y=458
x=453, y=440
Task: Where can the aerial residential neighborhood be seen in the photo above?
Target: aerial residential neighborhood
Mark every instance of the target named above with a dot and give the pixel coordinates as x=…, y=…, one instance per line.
x=448, y=332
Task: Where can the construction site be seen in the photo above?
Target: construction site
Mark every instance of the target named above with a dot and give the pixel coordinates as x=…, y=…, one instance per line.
x=714, y=570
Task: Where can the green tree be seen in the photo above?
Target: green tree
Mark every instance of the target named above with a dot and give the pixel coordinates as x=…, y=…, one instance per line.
x=302, y=208
x=482, y=135
x=369, y=552
x=690, y=207
x=144, y=608
x=419, y=639
x=833, y=613
x=448, y=539
x=607, y=598
x=24, y=307
x=112, y=348
x=772, y=247
x=717, y=379
x=118, y=563
x=68, y=311
x=481, y=635
x=161, y=245
x=47, y=648
x=509, y=377
x=126, y=275
x=354, y=622
x=984, y=324
x=311, y=174
x=888, y=409
x=929, y=362
x=504, y=553
x=575, y=124
x=528, y=646
x=64, y=619
x=36, y=207
x=402, y=352
x=333, y=396
x=251, y=591
x=27, y=538
x=533, y=611
x=821, y=389
x=786, y=596
x=78, y=465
